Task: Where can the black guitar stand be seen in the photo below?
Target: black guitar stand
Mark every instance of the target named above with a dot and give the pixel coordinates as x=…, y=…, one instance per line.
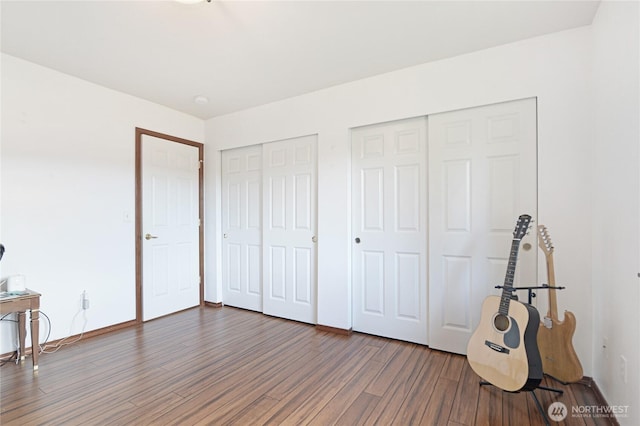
x=531, y=295
x=535, y=398
x=530, y=289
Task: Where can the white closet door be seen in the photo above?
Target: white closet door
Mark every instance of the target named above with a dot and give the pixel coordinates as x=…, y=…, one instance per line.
x=242, y=228
x=482, y=176
x=389, y=220
x=289, y=229
x=170, y=227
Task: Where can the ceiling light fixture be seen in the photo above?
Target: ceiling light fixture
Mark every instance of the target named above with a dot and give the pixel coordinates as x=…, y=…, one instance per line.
x=201, y=100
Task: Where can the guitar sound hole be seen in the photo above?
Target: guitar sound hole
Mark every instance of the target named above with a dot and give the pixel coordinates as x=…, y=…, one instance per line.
x=501, y=322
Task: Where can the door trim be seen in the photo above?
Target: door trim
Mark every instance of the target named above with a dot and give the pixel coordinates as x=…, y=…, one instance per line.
x=138, y=214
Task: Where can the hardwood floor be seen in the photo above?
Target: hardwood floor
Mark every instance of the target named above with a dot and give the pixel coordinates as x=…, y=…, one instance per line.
x=229, y=366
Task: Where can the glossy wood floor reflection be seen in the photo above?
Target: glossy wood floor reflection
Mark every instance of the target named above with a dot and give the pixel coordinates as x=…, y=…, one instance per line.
x=224, y=366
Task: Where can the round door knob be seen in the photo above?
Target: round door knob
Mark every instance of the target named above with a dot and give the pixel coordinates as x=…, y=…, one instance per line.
x=149, y=236
x=357, y=240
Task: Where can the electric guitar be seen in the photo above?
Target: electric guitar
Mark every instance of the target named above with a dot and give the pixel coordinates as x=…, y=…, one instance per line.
x=559, y=359
x=503, y=349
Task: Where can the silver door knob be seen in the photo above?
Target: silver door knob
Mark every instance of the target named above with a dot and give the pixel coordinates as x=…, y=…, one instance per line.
x=314, y=239
x=149, y=236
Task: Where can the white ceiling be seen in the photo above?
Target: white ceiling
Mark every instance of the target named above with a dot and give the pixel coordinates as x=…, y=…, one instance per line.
x=241, y=54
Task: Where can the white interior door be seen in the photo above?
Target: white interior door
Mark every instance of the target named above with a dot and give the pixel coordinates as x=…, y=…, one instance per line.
x=289, y=229
x=482, y=176
x=170, y=227
x=390, y=230
x=242, y=227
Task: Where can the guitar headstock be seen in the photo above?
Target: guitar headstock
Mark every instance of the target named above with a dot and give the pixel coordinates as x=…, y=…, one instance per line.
x=544, y=240
x=522, y=226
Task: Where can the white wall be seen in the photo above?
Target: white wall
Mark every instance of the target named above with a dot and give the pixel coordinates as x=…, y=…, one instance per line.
x=67, y=181
x=616, y=203
x=555, y=68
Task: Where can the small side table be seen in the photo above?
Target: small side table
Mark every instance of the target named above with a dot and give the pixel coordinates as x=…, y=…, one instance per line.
x=21, y=303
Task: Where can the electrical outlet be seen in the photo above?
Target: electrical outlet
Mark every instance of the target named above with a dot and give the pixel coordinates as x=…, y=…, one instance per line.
x=85, y=300
x=623, y=368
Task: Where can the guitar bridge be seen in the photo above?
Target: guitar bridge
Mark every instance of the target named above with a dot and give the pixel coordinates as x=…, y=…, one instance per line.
x=496, y=347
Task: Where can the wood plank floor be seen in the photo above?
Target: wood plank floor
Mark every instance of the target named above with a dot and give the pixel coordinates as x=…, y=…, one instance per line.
x=224, y=366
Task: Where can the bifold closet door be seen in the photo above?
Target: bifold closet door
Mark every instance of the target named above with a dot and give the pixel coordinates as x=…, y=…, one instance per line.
x=389, y=224
x=242, y=227
x=482, y=177
x=289, y=228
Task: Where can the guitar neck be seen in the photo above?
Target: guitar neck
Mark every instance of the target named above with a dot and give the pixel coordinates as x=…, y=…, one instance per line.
x=507, y=287
x=553, y=301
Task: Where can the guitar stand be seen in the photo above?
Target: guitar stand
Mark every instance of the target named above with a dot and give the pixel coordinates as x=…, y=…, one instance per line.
x=535, y=398
x=530, y=289
x=531, y=295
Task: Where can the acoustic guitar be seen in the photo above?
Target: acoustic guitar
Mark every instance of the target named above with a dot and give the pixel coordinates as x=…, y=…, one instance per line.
x=559, y=359
x=503, y=349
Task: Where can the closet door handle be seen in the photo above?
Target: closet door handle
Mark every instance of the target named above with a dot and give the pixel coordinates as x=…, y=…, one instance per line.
x=357, y=240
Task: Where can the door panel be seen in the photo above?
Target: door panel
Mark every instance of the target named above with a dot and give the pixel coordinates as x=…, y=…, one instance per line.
x=242, y=228
x=482, y=176
x=170, y=193
x=289, y=276
x=389, y=230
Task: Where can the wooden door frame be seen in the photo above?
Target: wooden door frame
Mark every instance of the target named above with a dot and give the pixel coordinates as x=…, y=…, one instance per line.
x=138, y=206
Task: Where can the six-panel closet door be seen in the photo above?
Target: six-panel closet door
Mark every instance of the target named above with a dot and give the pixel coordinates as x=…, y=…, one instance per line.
x=482, y=177
x=289, y=229
x=242, y=227
x=389, y=227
